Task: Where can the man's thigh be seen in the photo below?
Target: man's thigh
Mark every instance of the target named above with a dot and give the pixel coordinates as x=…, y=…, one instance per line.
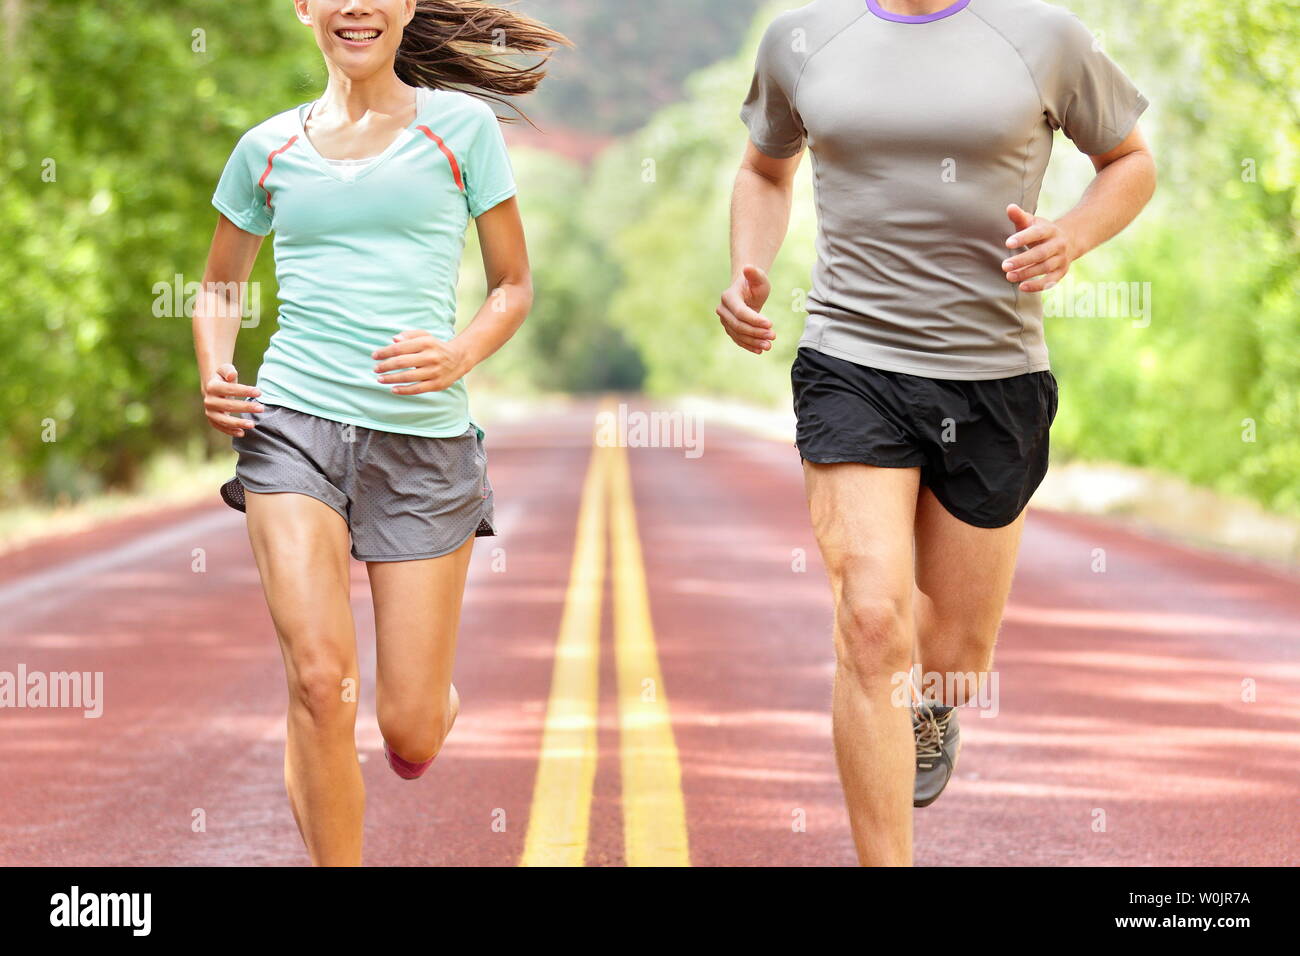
x=863, y=518
x=963, y=580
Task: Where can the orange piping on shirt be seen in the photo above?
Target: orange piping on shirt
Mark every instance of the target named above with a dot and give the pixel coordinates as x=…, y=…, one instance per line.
x=261, y=183
x=451, y=158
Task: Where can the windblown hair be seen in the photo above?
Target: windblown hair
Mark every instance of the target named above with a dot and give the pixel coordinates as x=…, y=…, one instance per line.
x=475, y=47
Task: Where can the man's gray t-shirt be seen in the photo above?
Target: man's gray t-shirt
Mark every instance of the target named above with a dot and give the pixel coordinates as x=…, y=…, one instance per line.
x=922, y=131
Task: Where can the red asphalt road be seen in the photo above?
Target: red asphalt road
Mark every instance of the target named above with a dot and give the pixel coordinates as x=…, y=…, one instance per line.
x=1120, y=692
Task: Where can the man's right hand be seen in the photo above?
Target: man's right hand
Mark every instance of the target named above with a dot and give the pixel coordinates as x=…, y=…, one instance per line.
x=739, y=311
x=224, y=397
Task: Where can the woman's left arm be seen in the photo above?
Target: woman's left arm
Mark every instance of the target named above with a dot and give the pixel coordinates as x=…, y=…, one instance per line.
x=433, y=365
x=1124, y=184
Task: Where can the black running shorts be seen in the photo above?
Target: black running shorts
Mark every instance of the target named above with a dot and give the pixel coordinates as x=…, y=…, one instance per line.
x=981, y=445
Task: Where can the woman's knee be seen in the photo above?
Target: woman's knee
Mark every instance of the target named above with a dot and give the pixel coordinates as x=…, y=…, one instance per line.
x=325, y=692
x=415, y=731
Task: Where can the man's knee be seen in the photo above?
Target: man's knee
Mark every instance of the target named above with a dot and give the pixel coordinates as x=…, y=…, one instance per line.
x=957, y=645
x=873, y=639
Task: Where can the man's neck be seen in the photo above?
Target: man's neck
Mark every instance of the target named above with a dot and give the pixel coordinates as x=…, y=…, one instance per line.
x=915, y=8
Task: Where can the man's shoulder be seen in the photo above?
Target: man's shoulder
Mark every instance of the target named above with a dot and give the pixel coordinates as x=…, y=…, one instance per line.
x=1029, y=21
x=821, y=15
x=795, y=35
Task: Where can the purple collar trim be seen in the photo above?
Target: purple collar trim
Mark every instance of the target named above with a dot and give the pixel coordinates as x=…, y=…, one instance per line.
x=875, y=7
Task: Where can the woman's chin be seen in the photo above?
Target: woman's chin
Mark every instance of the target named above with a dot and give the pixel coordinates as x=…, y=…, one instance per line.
x=357, y=63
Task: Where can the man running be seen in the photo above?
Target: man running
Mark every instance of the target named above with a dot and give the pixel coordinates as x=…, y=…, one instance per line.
x=922, y=384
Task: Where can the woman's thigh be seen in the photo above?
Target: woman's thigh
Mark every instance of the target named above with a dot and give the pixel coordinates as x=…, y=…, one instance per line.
x=301, y=547
x=417, y=617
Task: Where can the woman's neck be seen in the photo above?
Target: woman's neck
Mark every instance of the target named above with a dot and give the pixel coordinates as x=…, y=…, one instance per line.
x=380, y=93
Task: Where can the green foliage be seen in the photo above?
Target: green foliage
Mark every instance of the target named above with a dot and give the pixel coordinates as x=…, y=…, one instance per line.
x=630, y=58
x=1218, y=362
x=115, y=131
x=671, y=184
x=629, y=256
x=570, y=341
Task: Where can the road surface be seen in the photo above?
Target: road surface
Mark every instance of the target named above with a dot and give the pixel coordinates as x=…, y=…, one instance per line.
x=645, y=668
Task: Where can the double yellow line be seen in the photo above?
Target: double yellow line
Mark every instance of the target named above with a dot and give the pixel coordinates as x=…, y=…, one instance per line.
x=654, y=813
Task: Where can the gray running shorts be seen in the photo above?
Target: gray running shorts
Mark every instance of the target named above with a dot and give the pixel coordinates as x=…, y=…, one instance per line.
x=404, y=497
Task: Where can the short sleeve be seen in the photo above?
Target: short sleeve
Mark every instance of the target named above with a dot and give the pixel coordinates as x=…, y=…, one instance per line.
x=238, y=197
x=489, y=177
x=1088, y=97
x=774, y=124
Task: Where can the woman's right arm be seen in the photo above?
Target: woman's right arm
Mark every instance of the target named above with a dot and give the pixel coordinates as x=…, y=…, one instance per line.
x=218, y=313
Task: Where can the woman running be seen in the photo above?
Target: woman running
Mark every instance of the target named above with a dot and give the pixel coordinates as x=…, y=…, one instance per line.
x=359, y=424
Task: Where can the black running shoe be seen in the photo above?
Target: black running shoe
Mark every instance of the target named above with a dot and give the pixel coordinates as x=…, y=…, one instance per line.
x=938, y=741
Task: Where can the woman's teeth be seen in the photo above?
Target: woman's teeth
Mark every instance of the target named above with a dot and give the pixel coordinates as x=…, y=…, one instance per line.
x=359, y=35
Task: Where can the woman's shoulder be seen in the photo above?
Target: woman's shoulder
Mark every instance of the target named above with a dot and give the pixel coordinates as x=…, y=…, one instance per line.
x=458, y=102
x=273, y=130
x=458, y=116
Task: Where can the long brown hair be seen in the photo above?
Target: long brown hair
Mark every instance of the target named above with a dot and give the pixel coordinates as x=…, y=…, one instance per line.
x=475, y=46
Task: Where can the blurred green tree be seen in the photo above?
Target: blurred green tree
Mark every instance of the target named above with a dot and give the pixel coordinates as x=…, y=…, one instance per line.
x=117, y=119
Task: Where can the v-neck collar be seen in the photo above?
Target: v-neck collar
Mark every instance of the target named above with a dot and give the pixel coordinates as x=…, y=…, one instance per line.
x=422, y=97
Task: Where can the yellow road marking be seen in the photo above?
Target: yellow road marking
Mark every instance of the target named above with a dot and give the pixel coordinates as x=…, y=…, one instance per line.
x=654, y=811
x=561, y=810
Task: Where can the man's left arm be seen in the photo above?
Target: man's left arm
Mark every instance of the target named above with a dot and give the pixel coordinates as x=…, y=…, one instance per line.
x=1125, y=183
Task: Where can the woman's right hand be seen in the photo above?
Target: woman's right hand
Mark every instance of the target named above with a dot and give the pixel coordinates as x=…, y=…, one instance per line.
x=224, y=397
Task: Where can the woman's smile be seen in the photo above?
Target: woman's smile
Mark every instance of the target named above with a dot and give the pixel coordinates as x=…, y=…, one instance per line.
x=359, y=36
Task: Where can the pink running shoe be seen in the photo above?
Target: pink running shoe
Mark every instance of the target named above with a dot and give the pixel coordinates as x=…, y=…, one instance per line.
x=404, y=768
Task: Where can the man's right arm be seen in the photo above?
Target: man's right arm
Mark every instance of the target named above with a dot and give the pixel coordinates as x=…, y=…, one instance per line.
x=760, y=216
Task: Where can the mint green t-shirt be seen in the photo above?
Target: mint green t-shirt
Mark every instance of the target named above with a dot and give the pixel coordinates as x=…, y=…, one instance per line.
x=363, y=255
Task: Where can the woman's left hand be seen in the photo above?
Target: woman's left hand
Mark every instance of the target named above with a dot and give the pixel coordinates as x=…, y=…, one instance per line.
x=430, y=364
